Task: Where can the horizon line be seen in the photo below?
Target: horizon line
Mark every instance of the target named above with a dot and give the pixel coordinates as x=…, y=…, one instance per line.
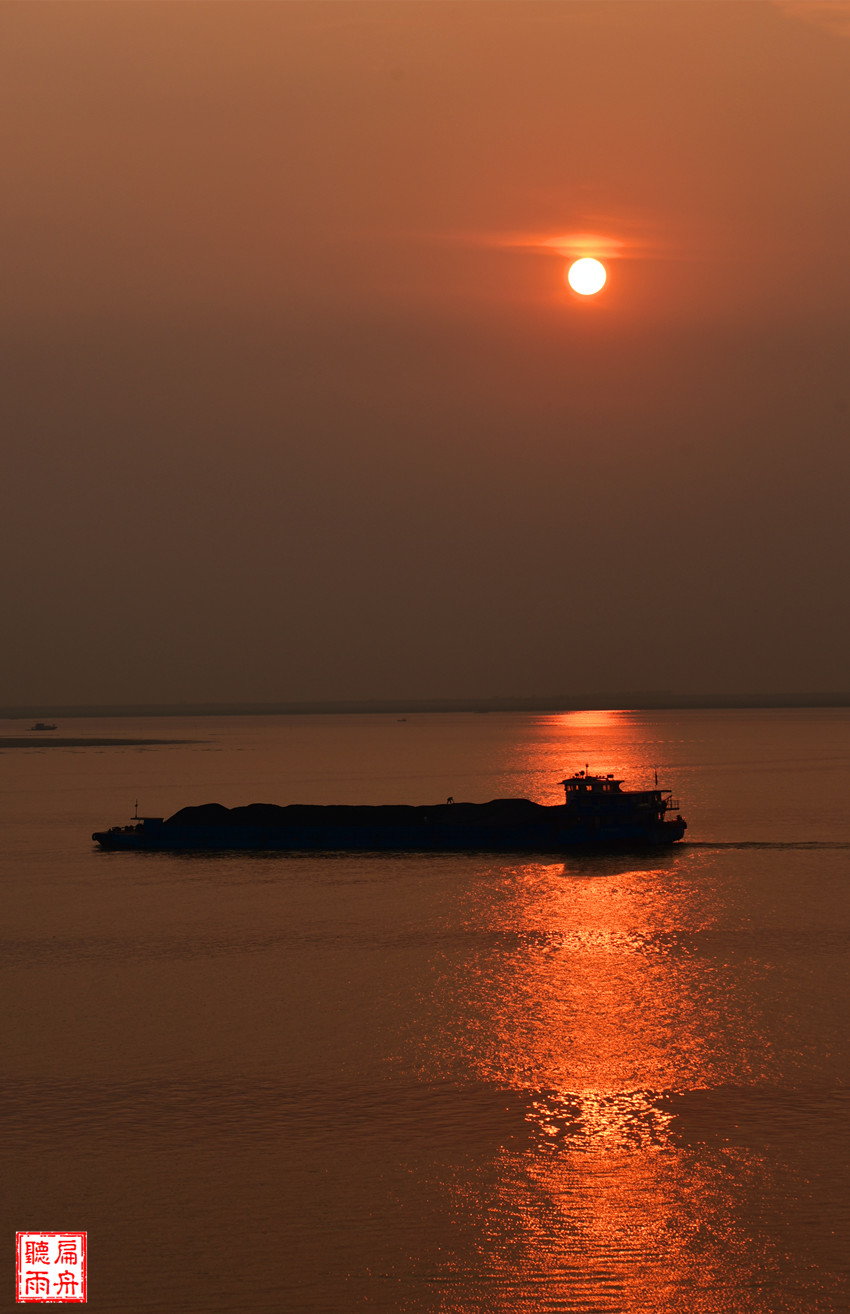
x=622, y=701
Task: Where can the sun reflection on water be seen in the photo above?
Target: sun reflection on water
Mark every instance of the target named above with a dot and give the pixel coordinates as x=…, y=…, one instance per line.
x=593, y=718
x=601, y=740
x=599, y=1120
x=590, y=999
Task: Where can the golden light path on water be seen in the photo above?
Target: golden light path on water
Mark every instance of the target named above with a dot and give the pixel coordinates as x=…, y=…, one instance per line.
x=591, y=999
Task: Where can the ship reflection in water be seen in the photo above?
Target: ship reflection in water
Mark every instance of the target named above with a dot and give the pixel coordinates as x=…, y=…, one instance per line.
x=592, y=999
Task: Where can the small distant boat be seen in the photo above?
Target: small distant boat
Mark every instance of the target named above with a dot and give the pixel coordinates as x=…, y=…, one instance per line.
x=596, y=815
x=43, y=725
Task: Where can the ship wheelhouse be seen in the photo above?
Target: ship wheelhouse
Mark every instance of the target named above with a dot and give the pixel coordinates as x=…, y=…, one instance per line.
x=603, y=799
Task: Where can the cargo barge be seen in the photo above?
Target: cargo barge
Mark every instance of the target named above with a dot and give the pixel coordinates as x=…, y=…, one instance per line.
x=597, y=814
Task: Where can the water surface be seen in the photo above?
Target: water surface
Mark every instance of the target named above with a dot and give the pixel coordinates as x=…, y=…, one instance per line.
x=434, y=1082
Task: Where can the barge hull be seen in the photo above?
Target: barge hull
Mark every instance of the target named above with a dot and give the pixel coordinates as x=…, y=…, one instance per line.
x=363, y=839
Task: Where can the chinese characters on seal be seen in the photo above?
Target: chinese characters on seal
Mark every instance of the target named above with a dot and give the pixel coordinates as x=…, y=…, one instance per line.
x=50, y=1267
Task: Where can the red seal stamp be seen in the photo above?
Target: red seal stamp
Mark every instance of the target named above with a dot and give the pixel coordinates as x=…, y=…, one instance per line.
x=50, y=1267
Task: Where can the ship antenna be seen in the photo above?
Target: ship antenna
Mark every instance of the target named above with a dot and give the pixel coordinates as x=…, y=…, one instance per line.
x=656, y=777
x=136, y=813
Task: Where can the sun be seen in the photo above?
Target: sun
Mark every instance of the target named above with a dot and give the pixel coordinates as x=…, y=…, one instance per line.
x=586, y=276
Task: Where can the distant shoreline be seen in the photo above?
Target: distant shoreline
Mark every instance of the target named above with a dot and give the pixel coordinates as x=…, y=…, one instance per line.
x=39, y=740
x=398, y=706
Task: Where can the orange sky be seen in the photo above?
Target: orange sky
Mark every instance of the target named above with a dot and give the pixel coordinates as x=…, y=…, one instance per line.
x=290, y=365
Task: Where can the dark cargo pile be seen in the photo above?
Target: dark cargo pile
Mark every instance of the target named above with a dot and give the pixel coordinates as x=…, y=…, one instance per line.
x=499, y=812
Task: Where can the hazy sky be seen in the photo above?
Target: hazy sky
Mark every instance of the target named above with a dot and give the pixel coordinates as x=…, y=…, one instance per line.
x=296, y=403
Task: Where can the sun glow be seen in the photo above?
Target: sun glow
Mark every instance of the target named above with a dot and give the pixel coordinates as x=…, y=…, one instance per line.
x=586, y=276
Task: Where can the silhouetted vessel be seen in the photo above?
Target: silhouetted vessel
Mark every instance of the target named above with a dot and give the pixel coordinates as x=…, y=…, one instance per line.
x=596, y=814
x=43, y=725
